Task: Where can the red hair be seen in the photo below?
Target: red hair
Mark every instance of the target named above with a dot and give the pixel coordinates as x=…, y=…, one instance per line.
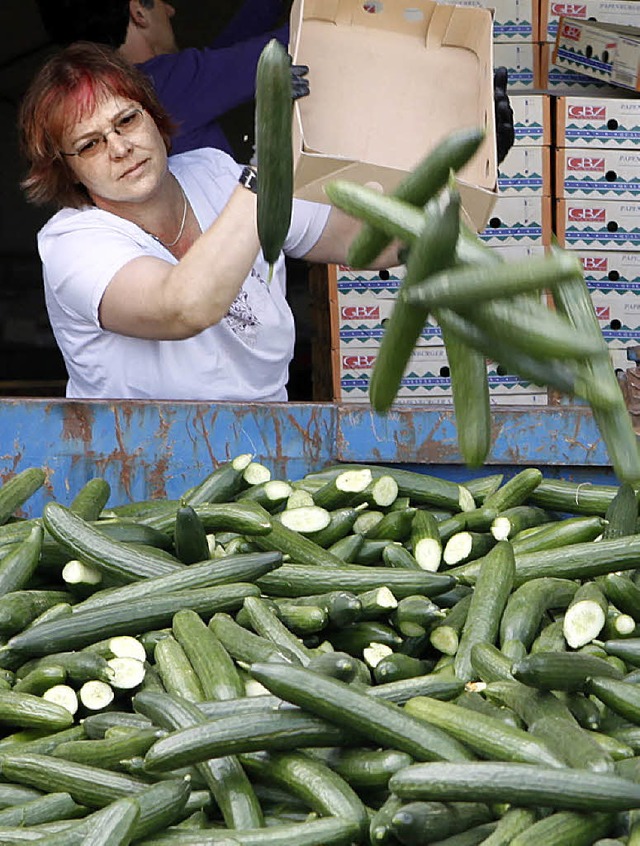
x=67, y=88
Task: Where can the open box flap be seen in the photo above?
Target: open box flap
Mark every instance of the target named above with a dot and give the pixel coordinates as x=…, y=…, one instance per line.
x=386, y=87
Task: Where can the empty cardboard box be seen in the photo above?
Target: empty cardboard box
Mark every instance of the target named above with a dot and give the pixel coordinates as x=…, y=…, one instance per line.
x=389, y=81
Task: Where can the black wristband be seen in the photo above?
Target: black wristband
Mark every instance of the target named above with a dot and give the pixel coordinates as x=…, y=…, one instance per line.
x=249, y=178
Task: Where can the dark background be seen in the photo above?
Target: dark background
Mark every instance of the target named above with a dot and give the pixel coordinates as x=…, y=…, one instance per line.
x=30, y=364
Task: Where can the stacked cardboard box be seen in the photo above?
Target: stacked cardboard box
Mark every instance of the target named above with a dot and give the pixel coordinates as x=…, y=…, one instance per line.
x=598, y=208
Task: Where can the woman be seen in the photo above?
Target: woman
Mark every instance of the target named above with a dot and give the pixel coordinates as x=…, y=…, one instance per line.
x=154, y=280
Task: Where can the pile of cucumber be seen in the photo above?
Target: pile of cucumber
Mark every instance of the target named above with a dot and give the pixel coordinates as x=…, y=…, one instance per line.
x=366, y=655
x=534, y=317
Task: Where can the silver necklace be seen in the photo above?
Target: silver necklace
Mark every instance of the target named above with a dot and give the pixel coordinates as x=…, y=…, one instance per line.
x=182, y=223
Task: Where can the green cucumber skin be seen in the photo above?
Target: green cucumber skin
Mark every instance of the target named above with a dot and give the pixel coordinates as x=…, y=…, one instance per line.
x=224, y=777
x=525, y=607
x=125, y=618
x=526, y=785
x=340, y=703
x=82, y=540
x=213, y=573
x=417, y=188
x=17, y=490
x=274, y=148
x=293, y=580
x=433, y=251
x=492, y=590
x=470, y=388
x=190, y=537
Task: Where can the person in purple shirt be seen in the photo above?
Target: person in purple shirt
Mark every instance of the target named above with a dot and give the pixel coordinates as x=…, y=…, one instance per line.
x=197, y=86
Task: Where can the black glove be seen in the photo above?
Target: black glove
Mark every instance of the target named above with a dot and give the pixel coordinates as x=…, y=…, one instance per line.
x=299, y=85
x=504, y=114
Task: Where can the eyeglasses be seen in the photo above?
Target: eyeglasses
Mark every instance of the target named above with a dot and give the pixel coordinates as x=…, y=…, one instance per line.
x=126, y=124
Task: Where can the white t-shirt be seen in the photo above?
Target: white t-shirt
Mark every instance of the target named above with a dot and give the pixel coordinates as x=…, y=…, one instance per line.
x=245, y=357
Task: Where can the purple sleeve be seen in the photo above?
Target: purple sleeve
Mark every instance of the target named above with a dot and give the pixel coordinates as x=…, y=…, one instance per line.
x=255, y=17
x=197, y=86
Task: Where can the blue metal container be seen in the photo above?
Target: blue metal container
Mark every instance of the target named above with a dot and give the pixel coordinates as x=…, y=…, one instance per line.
x=159, y=449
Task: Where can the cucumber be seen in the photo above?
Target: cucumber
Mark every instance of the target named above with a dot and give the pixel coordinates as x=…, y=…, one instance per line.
x=87, y=785
x=526, y=606
x=111, y=751
x=580, y=561
x=242, y=644
x=118, y=560
x=343, y=488
x=573, y=497
x=381, y=721
x=622, y=592
x=398, y=666
x=270, y=730
x=326, y=831
x=492, y=590
x=573, y=301
x=274, y=104
x=368, y=769
x=300, y=580
x=425, y=540
x=28, y=711
x=190, y=537
x=417, y=188
x=225, y=778
x=419, y=822
x=212, y=573
x=462, y=287
x=221, y=485
x=550, y=720
x=467, y=546
x=114, y=825
x=470, y=389
x=48, y=808
x=307, y=778
x=559, y=533
x=487, y=736
x=421, y=488
x=562, y=670
x=619, y=696
x=271, y=495
x=125, y=618
x=18, y=489
x=566, y=827
x=585, y=616
x=176, y=671
x=17, y=568
x=91, y=499
x=266, y=623
x=212, y=663
x=622, y=513
x=20, y=608
x=431, y=252
x=627, y=649
x=524, y=785
x=513, y=520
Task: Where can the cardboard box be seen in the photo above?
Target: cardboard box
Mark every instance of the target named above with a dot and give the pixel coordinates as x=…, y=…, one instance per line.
x=516, y=252
x=523, y=64
x=513, y=20
x=598, y=225
x=588, y=172
x=513, y=401
x=611, y=270
x=376, y=283
x=380, y=74
x=622, y=12
x=519, y=221
x=618, y=314
x=598, y=121
x=531, y=118
x=525, y=170
x=425, y=379
x=362, y=318
x=564, y=80
x=608, y=52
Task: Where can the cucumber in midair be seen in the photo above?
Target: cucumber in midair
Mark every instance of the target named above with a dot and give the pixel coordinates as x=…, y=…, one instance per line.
x=274, y=106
